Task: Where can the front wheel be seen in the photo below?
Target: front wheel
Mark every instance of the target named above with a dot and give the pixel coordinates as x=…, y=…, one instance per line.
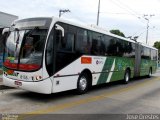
x=150, y=73
x=82, y=84
x=126, y=76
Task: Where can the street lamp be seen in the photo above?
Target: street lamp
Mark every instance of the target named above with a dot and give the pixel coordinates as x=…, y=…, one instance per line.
x=147, y=19
x=63, y=11
x=147, y=30
x=98, y=12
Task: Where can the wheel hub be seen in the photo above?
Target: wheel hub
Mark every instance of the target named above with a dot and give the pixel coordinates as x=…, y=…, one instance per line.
x=127, y=77
x=83, y=83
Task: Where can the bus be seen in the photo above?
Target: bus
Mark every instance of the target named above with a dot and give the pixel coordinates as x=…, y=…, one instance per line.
x=50, y=55
x=3, y=37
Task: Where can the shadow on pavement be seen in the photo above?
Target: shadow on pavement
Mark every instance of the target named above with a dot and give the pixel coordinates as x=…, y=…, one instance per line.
x=67, y=94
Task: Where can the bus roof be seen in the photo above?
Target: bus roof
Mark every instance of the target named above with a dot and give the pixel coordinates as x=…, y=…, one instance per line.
x=145, y=45
x=33, y=22
x=100, y=30
x=92, y=28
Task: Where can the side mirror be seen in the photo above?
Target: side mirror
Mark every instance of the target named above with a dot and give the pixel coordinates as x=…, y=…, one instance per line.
x=5, y=34
x=58, y=27
x=5, y=30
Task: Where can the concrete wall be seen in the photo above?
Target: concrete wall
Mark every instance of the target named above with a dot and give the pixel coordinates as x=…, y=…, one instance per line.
x=6, y=19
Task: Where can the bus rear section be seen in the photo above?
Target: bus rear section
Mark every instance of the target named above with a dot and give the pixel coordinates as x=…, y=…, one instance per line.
x=146, y=60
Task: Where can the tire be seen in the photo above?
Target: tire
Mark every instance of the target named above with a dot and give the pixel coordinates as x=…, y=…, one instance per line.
x=82, y=84
x=150, y=73
x=126, y=77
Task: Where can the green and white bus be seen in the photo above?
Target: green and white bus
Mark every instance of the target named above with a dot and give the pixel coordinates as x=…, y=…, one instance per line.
x=49, y=55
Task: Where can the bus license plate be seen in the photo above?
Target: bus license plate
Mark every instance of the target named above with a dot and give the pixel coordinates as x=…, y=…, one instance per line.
x=18, y=83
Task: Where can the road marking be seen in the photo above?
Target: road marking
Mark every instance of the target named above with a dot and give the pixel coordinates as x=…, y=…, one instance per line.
x=87, y=100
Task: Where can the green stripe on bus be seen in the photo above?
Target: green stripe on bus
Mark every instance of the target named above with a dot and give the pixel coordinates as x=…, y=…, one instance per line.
x=106, y=68
x=120, y=66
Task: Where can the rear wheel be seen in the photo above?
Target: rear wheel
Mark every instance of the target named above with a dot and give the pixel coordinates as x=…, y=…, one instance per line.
x=126, y=76
x=150, y=73
x=82, y=84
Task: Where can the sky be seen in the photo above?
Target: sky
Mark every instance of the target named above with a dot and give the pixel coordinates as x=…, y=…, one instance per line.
x=125, y=15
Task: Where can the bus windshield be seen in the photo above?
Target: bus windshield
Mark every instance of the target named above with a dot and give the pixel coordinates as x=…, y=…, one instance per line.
x=24, y=49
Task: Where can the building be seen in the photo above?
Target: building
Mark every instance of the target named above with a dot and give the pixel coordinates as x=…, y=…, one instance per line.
x=6, y=19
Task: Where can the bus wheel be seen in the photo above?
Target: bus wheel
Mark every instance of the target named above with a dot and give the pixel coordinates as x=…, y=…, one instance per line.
x=150, y=73
x=126, y=76
x=82, y=84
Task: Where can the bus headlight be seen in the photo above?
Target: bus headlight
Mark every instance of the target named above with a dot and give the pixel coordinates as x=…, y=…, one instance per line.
x=38, y=78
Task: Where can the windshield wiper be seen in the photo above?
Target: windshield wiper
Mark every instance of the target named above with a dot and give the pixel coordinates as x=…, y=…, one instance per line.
x=18, y=35
x=17, y=41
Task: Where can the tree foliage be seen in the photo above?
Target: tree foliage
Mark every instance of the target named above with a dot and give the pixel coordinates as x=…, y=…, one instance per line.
x=157, y=45
x=117, y=32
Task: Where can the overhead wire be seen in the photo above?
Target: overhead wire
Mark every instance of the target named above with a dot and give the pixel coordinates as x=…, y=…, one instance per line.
x=126, y=6
x=133, y=13
x=132, y=10
x=123, y=6
x=118, y=13
x=80, y=19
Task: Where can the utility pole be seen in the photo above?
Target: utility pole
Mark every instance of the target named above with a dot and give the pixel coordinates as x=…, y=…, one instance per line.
x=147, y=30
x=147, y=19
x=98, y=12
x=63, y=11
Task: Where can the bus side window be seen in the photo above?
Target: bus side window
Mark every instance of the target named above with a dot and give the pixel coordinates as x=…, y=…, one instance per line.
x=82, y=42
x=112, y=47
x=59, y=40
x=65, y=44
x=94, y=48
x=146, y=53
x=70, y=42
x=96, y=42
x=102, y=46
x=153, y=54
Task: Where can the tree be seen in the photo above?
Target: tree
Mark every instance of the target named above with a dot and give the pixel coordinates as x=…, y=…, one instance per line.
x=117, y=32
x=157, y=45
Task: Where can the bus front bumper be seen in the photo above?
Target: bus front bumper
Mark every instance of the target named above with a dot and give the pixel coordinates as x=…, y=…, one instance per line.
x=43, y=87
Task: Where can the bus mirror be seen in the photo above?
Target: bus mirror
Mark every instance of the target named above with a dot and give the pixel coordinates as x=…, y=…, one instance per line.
x=5, y=34
x=58, y=27
x=5, y=30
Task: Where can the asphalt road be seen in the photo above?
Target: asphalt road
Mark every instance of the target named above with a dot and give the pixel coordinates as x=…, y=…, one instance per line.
x=140, y=96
